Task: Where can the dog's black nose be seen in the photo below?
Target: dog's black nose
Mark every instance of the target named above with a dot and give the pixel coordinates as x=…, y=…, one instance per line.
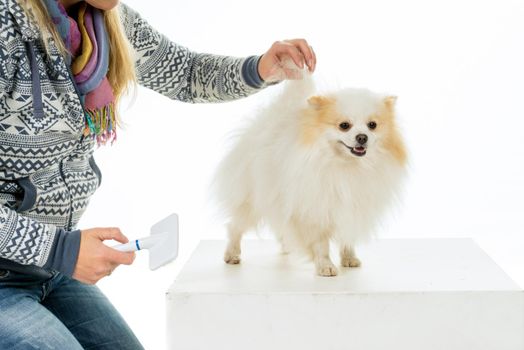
x=362, y=138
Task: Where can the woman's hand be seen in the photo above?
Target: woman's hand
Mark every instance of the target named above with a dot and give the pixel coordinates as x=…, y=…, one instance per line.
x=95, y=259
x=273, y=67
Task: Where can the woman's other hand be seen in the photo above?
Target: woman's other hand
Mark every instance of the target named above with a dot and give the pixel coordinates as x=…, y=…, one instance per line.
x=95, y=259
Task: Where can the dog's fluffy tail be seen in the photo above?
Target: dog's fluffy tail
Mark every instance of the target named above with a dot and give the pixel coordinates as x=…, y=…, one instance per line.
x=296, y=92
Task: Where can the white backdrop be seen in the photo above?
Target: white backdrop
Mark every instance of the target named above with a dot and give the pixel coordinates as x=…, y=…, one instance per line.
x=457, y=67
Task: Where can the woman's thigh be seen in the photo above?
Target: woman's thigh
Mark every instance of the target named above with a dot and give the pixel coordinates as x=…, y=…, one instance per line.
x=25, y=324
x=89, y=316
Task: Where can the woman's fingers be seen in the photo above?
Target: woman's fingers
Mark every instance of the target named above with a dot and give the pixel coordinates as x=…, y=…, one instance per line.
x=117, y=257
x=105, y=233
x=314, y=58
x=284, y=48
x=307, y=52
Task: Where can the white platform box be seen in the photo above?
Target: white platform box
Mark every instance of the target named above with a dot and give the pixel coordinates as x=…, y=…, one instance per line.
x=409, y=294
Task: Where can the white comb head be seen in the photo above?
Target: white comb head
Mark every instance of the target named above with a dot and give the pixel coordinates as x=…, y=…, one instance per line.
x=166, y=249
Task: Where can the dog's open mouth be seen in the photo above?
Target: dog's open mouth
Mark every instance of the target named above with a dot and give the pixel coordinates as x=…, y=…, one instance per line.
x=359, y=151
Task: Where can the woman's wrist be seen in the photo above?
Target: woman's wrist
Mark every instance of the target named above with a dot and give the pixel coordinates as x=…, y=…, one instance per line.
x=250, y=72
x=64, y=252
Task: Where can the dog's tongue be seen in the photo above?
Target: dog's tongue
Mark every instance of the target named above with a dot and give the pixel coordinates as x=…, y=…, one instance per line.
x=359, y=149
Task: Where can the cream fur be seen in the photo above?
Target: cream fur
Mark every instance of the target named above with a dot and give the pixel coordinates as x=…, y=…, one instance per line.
x=311, y=189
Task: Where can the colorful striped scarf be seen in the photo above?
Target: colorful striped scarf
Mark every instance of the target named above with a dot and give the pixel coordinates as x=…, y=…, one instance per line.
x=85, y=38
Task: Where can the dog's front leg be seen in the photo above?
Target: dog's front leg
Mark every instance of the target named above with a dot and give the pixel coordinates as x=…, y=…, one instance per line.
x=232, y=254
x=323, y=263
x=348, y=258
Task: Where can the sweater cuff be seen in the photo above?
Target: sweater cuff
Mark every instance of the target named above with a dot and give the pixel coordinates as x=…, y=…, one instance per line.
x=250, y=72
x=64, y=253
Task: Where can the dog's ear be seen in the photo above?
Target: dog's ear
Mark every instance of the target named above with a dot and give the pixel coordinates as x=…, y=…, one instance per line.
x=319, y=102
x=390, y=101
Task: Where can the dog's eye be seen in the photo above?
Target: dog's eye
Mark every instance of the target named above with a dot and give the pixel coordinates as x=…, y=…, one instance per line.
x=372, y=125
x=344, y=126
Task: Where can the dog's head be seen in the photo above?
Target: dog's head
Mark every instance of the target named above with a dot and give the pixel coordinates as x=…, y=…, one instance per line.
x=355, y=124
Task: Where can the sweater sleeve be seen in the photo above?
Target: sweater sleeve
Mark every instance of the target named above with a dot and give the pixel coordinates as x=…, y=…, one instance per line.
x=181, y=74
x=29, y=242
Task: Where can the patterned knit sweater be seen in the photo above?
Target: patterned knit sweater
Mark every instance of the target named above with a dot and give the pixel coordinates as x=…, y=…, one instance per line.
x=47, y=169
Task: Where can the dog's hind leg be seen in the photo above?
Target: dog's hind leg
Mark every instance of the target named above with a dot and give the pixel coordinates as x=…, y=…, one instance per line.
x=241, y=222
x=348, y=257
x=282, y=235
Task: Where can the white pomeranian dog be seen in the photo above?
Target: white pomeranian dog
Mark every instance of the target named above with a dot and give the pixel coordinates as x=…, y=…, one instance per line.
x=315, y=168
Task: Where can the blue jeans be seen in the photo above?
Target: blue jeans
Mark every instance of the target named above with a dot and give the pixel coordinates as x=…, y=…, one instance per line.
x=57, y=312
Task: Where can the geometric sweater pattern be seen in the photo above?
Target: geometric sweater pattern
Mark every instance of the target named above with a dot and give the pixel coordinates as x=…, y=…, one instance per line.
x=47, y=169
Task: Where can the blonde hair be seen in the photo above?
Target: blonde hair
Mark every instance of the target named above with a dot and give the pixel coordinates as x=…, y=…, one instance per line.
x=121, y=73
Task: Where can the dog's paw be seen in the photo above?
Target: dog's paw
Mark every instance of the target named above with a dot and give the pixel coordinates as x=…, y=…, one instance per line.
x=232, y=259
x=327, y=270
x=350, y=262
x=284, y=251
